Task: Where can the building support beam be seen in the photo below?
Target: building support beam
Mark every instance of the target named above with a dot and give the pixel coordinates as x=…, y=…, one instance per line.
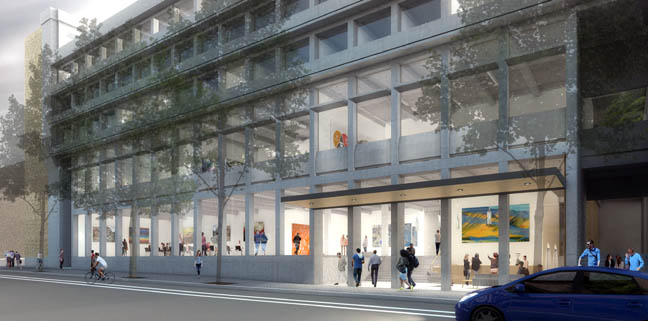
x=503, y=246
x=446, y=245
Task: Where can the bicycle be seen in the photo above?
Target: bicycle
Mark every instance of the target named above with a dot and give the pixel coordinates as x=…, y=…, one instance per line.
x=92, y=277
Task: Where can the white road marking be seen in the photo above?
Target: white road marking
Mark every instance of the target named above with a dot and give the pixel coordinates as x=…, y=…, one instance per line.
x=235, y=297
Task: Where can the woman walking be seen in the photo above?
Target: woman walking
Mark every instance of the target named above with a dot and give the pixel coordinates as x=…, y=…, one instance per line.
x=494, y=265
x=61, y=259
x=466, y=270
x=198, y=262
x=401, y=266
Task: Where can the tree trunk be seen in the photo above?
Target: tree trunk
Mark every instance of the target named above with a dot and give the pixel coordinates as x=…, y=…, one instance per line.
x=221, y=235
x=41, y=232
x=134, y=252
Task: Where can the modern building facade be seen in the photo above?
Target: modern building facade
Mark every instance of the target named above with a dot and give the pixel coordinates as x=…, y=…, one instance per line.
x=353, y=123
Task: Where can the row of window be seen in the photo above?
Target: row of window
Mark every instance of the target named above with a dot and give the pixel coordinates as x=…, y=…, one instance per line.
x=371, y=27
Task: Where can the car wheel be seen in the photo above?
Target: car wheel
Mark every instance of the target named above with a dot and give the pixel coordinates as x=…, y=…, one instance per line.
x=486, y=314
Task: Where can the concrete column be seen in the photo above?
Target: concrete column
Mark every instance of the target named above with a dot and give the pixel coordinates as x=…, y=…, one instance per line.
x=503, y=237
x=249, y=223
x=175, y=228
x=354, y=237
x=313, y=143
x=154, y=233
x=313, y=48
x=88, y=233
x=197, y=215
x=118, y=232
x=279, y=223
x=445, y=107
x=102, y=233
x=352, y=124
x=574, y=200
x=446, y=245
x=352, y=37
x=503, y=91
x=395, y=114
x=135, y=245
x=397, y=239
x=384, y=230
x=74, y=236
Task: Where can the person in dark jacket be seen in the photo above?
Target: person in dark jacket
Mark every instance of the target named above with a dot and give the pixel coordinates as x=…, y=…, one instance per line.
x=476, y=263
x=610, y=262
x=466, y=270
x=297, y=241
x=494, y=263
x=411, y=265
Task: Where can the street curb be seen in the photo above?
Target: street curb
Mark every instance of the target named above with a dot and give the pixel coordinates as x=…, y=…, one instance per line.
x=403, y=296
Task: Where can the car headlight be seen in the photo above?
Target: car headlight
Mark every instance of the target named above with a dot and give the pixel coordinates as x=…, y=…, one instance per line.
x=468, y=296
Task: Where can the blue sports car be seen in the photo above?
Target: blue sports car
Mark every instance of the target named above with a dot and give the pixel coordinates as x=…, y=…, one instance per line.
x=568, y=293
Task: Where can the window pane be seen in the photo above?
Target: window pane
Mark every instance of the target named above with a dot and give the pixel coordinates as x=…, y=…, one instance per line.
x=209, y=154
x=421, y=110
x=420, y=68
x=209, y=237
x=235, y=225
x=126, y=171
x=332, y=92
x=234, y=29
x=125, y=232
x=81, y=250
x=263, y=147
x=263, y=16
x=297, y=53
x=474, y=112
x=609, y=283
x=332, y=41
x=235, y=149
x=332, y=123
x=374, y=81
x=295, y=146
x=296, y=220
x=263, y=234
x=616, y=110
x=294, y=6
x=374, y=26
x=418, y=12
x=94, y=220
x=208, y=40
x=335, y=230
x=163, y=231
x=110, y=175
x=374, y=120
x=186, y=229
x=110, y=234
x=144, y=242
x=163, y=164
x=143, y=168
x=559, y=282
x=184, y=50
x=263, y=67
x=235, y=75
x=537, y=100
x=185, y=160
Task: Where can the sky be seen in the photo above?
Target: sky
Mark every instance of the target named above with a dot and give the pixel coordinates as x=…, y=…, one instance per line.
x=20, y=18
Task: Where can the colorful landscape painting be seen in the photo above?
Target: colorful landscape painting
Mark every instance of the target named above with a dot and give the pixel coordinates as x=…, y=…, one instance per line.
x=481, y=224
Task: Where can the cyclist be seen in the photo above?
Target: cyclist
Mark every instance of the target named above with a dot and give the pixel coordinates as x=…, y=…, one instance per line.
x=100, y=264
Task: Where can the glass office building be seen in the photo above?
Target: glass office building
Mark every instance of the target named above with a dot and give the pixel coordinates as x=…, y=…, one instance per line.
x=291, y=131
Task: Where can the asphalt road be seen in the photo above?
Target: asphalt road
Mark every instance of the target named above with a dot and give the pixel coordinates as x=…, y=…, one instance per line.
x=33, y=297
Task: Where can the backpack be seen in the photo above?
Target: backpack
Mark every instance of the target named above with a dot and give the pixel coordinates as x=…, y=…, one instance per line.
x=400, y=266
x=414, y=261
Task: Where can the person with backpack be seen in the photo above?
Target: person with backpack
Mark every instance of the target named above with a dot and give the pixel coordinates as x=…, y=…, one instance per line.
x=476, y=263
x=401, y=266
x=358, y=261
x=593, y=254
x=413, y=263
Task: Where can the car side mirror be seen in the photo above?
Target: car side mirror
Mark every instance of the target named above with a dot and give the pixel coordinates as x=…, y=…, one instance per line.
x=519, y=288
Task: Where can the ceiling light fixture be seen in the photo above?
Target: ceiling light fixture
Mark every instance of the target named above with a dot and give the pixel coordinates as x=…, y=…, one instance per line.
x=527, y=183
x=354, y=199
x=403, y=195
x=459, y=189
x=311, y=203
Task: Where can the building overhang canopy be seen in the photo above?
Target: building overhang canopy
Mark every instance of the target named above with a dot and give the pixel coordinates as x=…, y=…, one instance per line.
x=492, y=184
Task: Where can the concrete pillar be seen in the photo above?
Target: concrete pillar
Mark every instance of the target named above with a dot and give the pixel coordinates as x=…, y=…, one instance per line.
x=118, y=232
x=249, y=224
x=74, y=236
x=279, y=223
x=503, y=246
x=574, y=200
x=445, y=108
x=135, y=244
x=102, y=233
x=384, y=230
x=397, y=239
x=395, y=116
x=175, y=228
x=446, y=245
x=352, y=125
x=154, y=233
x=197, y=215
x=88, y=233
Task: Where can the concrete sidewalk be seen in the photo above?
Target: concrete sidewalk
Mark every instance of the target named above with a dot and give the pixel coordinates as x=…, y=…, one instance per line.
x=431, y=296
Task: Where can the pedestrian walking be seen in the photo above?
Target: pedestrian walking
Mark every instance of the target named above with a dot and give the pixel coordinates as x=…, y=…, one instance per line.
x=401, y=266
x=124, y=248
x=413, y=263
x=620, y=264
x=476, y=263
x=365, y=244
x=12, y=255
x=437, y=241
x=358, y=261
x=494, y=263
x=341, y=267
x=297, y=241
x=18, y=260
x=466, y=269
x=264, y=242
x=198, y=262
x=61, y=259
x=592, y=253
x=633, y=260
x=374, y=264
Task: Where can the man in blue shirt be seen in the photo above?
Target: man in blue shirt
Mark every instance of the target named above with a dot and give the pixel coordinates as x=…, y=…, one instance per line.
x=358, y=260
x=634, y=260
x=593, y=254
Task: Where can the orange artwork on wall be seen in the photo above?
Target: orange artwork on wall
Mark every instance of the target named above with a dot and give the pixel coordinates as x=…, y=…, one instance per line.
x=304, y=233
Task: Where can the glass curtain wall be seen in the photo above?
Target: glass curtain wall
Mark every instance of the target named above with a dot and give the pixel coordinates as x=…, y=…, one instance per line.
x=163, y=231
x=421, y=231
x=94, y=219
x=296, y=220
x=235, y=225
x=125, y=232
x=144, y=242
x=111, y=244
x=186, y=230
x=81, y=235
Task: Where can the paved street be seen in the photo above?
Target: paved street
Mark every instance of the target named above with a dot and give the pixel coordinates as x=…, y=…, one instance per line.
x=33, y=296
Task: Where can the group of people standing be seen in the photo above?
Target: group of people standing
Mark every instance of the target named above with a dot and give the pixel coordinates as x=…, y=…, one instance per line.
x=632, y=261
x=406, y=264
x=13, y=259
